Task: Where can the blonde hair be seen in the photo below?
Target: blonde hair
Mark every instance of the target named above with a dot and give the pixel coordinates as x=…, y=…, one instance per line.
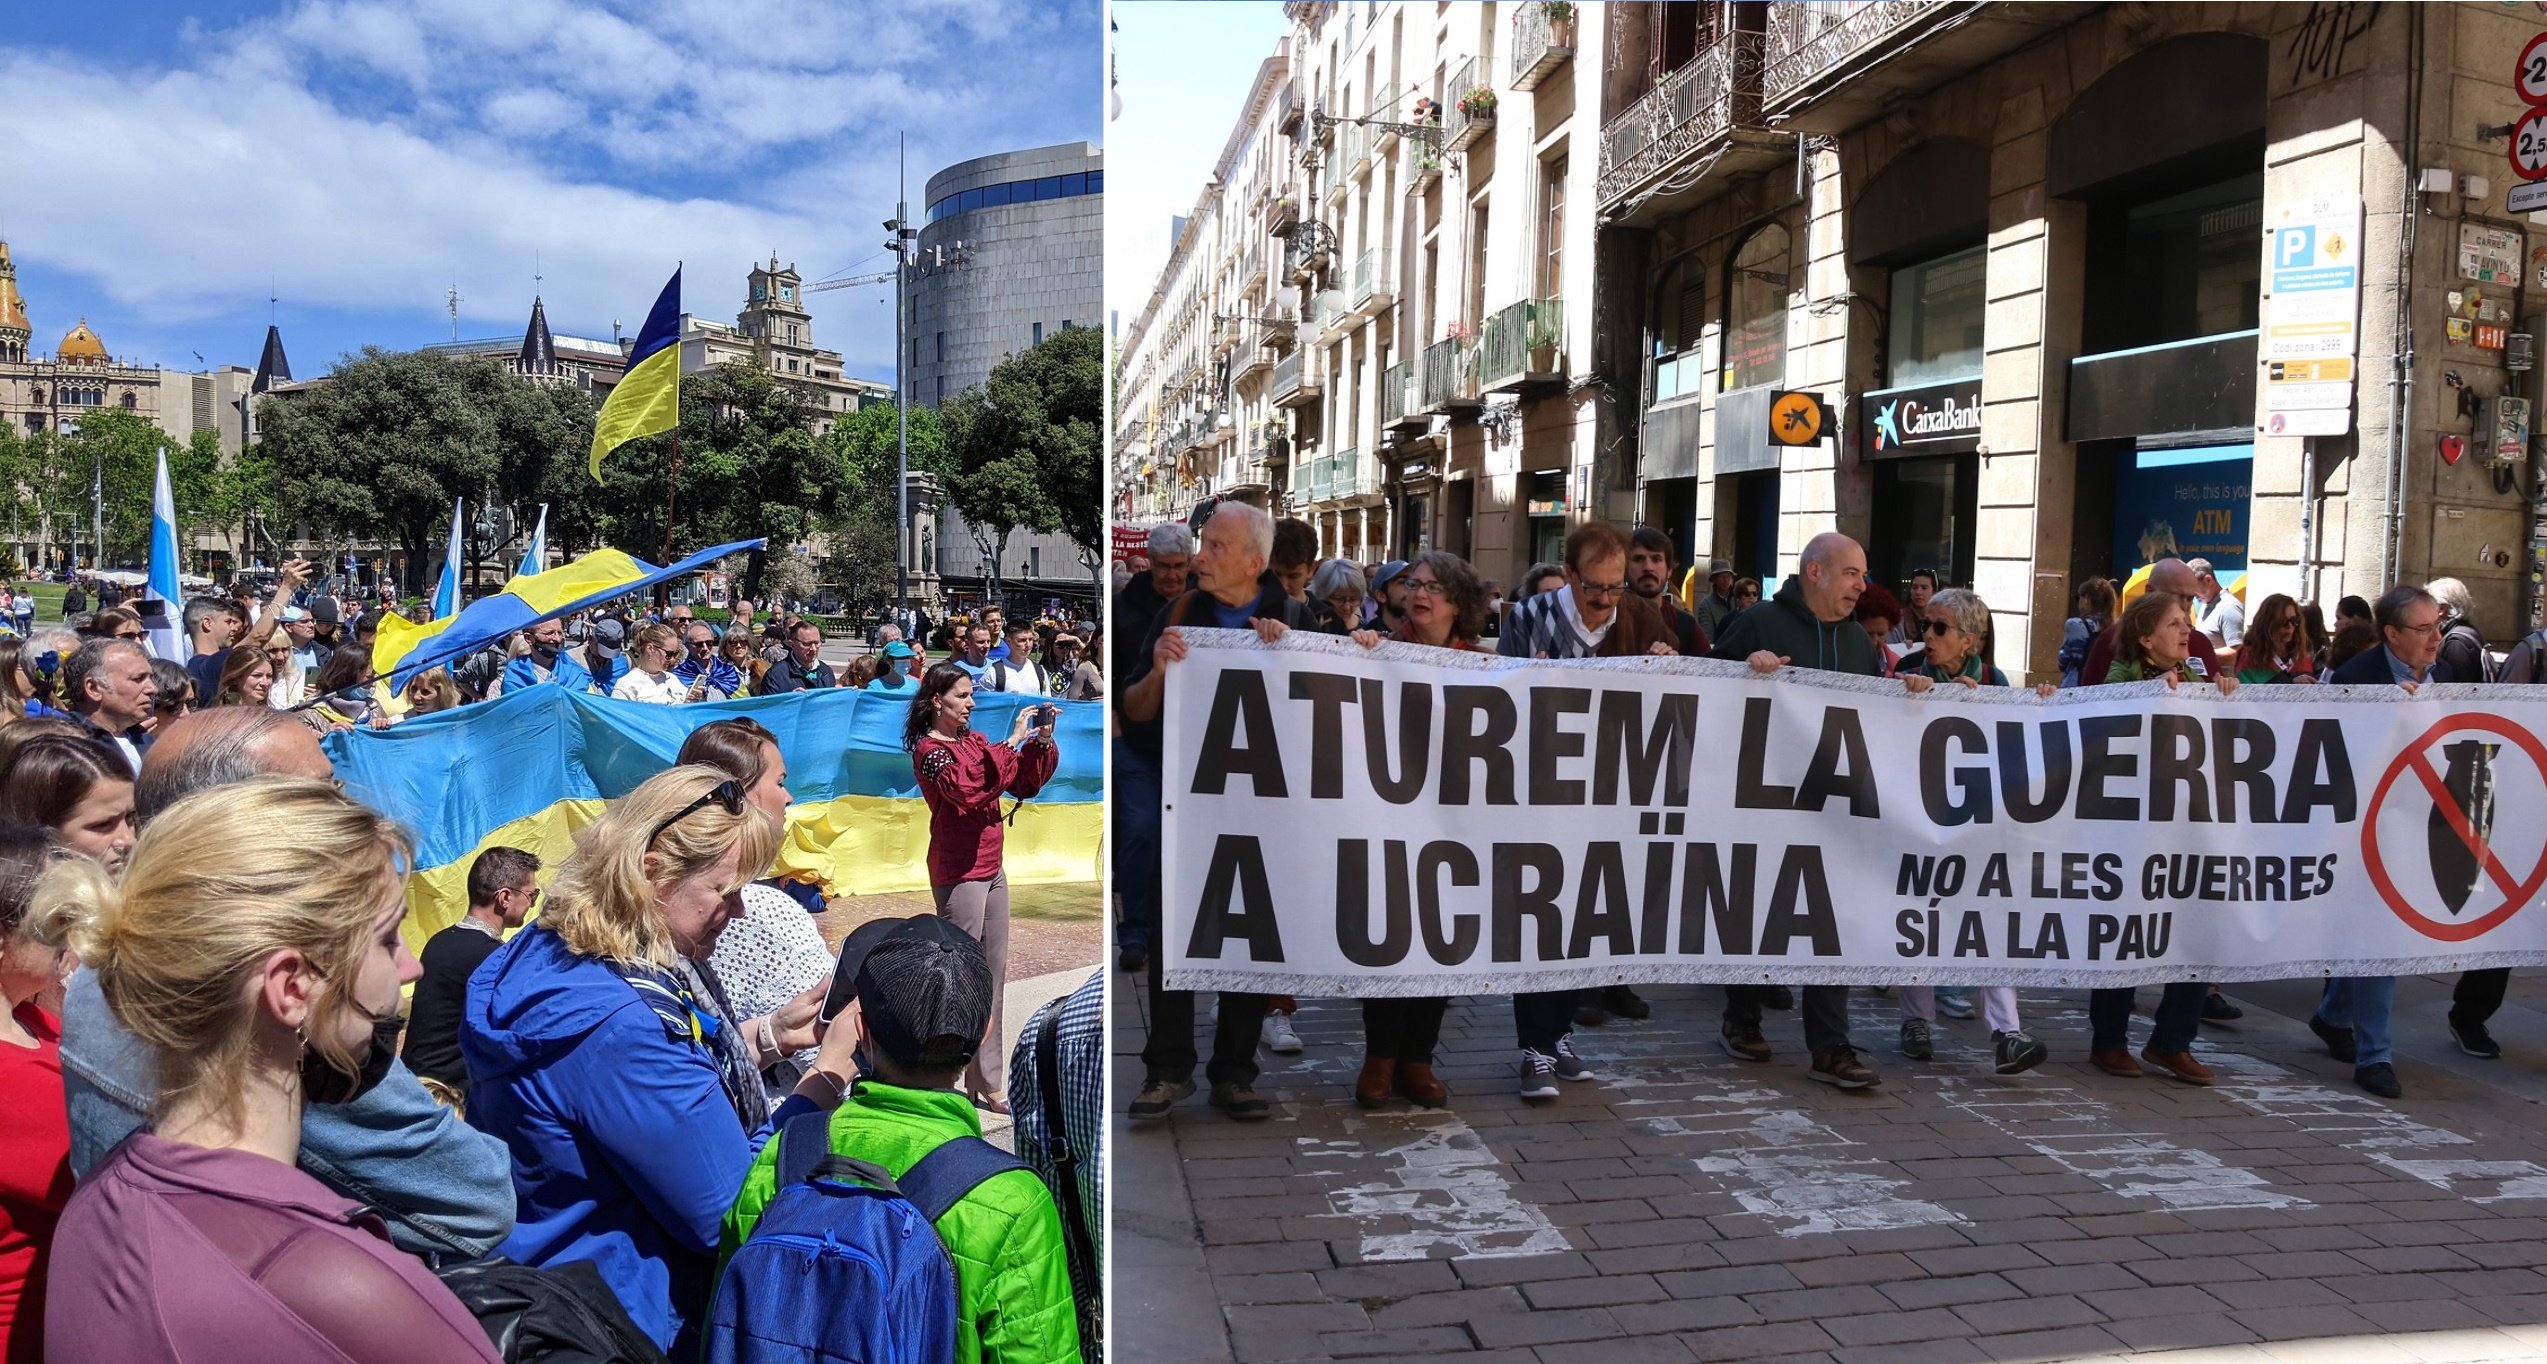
x=658, y=634
x=217, y=884
x=604, y=905
x=446, y=693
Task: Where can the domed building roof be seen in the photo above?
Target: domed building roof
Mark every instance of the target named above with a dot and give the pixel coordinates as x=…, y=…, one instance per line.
x=80, y=346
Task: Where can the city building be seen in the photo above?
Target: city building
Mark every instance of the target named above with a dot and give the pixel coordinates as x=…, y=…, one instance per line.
x=1011, y=250
x=40, y=394
x=544, y=357
x=2023, y=294
x=775, y=332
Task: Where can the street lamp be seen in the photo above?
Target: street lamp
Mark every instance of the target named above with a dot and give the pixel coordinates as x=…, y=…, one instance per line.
x=899, y=240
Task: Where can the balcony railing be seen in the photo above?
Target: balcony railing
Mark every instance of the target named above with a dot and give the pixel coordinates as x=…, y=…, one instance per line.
x=1293, y=381
x=1309, y=248
x=1225, y=334
x=1355, y=139
x=1523, y=344
x=1463, y=125
x=1346, y=476
x=1398, y=391
x=1287, y=107
x=1450, y=376
x=1808, y=37
x=1373, y=288
x=1690, y=110
x=1423, y=165
x=1540, y=44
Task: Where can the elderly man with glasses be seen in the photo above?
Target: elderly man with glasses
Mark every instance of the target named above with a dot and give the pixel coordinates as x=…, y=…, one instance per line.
x=702, y=658
x=2174, y=578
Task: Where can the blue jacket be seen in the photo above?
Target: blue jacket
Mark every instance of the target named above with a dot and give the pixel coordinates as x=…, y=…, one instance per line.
x=569, y=672
x=440, y=1184
x=2371, y=667
x=626, y=1151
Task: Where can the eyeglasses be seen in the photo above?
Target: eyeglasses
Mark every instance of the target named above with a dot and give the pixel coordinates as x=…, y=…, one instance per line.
x=1427, y=587
x=1595, y=589
x=701, y=645
x=1934, y=627
x=727, y=794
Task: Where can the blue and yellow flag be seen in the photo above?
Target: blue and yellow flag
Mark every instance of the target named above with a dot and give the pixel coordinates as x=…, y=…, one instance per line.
x=647, y=398
x=404, y=648
x=533, y=767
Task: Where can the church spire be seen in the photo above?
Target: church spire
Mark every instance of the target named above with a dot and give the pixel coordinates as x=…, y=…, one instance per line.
x=15, y=330
x=539, y=354
x=271, y=367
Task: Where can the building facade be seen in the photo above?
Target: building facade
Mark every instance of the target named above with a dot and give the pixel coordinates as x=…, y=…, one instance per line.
x=2074, y=287
x=1011, y=250
x=776, y=333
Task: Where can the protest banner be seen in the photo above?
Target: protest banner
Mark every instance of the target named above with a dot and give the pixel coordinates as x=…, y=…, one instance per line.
x=1413, y=821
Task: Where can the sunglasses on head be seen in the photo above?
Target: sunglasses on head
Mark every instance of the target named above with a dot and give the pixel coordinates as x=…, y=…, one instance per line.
x=727, y=794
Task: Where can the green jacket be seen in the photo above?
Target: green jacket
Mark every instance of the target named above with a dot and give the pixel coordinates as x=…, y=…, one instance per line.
x=1782, y=625
x=1005, y=1237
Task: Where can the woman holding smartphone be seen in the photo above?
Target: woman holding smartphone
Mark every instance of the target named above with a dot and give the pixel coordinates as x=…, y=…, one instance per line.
x=962, y=775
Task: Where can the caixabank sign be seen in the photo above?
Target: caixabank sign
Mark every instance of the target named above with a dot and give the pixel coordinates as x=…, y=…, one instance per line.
x=1942, y=418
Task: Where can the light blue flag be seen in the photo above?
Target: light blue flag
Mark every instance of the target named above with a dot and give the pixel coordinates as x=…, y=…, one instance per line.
x=538, y=547
x=167, y=634
x=446, y=594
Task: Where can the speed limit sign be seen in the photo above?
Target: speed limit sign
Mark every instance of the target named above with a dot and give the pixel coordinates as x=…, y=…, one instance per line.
x=2530, y=77
x=2529, y=146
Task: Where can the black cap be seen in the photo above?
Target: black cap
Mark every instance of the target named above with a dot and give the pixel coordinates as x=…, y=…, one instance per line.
x=917, y=980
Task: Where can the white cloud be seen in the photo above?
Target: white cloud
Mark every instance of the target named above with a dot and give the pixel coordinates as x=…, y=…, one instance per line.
x=364, y=156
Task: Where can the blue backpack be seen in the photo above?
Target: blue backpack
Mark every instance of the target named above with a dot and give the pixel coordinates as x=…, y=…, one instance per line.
x=844, y=1265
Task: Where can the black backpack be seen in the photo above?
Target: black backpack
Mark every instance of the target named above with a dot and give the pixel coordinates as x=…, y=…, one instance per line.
x=565, y=1314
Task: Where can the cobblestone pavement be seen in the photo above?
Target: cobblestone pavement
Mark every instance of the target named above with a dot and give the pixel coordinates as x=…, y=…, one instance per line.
x=1686, y=1206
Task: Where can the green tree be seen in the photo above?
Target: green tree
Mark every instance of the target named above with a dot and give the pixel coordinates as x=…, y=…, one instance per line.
x=751, y=467
x=1025, y=443
x=862, y=534
x=118, y=452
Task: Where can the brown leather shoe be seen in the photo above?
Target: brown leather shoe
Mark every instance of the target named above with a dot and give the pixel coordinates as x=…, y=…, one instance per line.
x=2179, y=1064
x=2115, y=1061
x=1415, y=1080
x=1377, y=1081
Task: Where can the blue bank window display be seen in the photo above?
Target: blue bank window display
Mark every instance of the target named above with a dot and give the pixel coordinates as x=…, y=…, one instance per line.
x=2186, y=503
x=1018, y=192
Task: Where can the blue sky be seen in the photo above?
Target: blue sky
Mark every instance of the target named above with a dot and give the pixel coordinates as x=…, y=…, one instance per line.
x=171, y=166
x=1182, y=72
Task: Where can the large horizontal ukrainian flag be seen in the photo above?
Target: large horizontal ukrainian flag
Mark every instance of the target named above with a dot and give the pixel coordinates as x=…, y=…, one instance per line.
x=405, y=648
x=647, y=397
x=533, y=767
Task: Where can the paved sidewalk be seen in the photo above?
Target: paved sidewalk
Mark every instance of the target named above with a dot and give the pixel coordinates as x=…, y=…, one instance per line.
x=1687, y=1206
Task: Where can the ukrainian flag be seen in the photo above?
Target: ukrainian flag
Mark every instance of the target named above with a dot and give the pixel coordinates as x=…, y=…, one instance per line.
x=532, y=767
x=647, y=397
x=404, y=648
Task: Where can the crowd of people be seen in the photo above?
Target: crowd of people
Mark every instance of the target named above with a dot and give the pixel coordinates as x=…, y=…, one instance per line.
x=1615, y=594
x=232, y=1137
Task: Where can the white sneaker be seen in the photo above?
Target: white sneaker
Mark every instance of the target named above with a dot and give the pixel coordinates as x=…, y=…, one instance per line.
x=1278, y=1036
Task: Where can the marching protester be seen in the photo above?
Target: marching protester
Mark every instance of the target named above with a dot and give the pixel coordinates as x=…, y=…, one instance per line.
x=801, y=668
x=1386, y=608
x=35, y=1161
x=2463, y=656
x=894, y=670
x=2094, y=602
x=290, y=685
x=1880, y=615
x=735, y=651
x=2218, y=613
x=345, y=684
x=174, y=697
x=74, y=787
x=546, y=661
x=2352, y=1015
x=247, y=679
x=708, y=676
x=1019, y=672
x=1716, y=607
x=963, y=776
x=2154, y=640
x=1956, y=631
x=265, y=990
x=1135, y=776
x=1593, y=615
x=1809, y=624
x=772, y=953
x=1234, y=591
x=1649, y=558
x=1336, y=593
x=441, y=1187
x=503, y=888
x=109, y=690
x=1904, y=630
x=2172, y=578
x=973, y=651
x=2276, y=649
x=431, y=691
x=924, y=996
x=1075, y=669
x=1746, y=594
x=614, y=1069
x=650, y=679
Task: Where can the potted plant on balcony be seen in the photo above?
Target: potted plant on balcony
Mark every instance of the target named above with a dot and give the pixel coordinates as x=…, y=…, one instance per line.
x=1478, y=104
x=1560, y=17
x=1542, y=341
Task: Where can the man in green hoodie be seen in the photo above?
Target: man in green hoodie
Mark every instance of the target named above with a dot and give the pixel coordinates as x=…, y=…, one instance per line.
x=922, y=1003
x=1810, y=623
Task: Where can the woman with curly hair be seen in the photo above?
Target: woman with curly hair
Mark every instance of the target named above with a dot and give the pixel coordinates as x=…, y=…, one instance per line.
x=962, y=776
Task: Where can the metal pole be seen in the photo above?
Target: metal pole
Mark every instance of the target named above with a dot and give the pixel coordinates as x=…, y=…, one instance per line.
x=2308, y=519
x=97, y=501
x=902, y=389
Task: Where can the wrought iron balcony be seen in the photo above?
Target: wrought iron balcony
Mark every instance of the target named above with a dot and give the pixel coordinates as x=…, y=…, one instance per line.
x=1809, y=37
x=1384, y=108
x=1688, y=114
x=1450, y=376
x=1471, y=114
x=1523, y=346
x=1540, y=42
x=1347, y=478
x=1293, y=383
x=1309, y=249
x=1287, y=106
x=1401, y=395
x=1423, y=165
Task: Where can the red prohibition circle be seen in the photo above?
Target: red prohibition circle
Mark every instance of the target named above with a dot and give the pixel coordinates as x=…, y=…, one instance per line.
x=2522, y=739
x=2533, y=123
x=2520, y=73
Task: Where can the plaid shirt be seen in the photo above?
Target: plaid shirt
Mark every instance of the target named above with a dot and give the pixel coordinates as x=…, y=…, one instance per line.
x=1081, y=1053
x=1542, y=627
